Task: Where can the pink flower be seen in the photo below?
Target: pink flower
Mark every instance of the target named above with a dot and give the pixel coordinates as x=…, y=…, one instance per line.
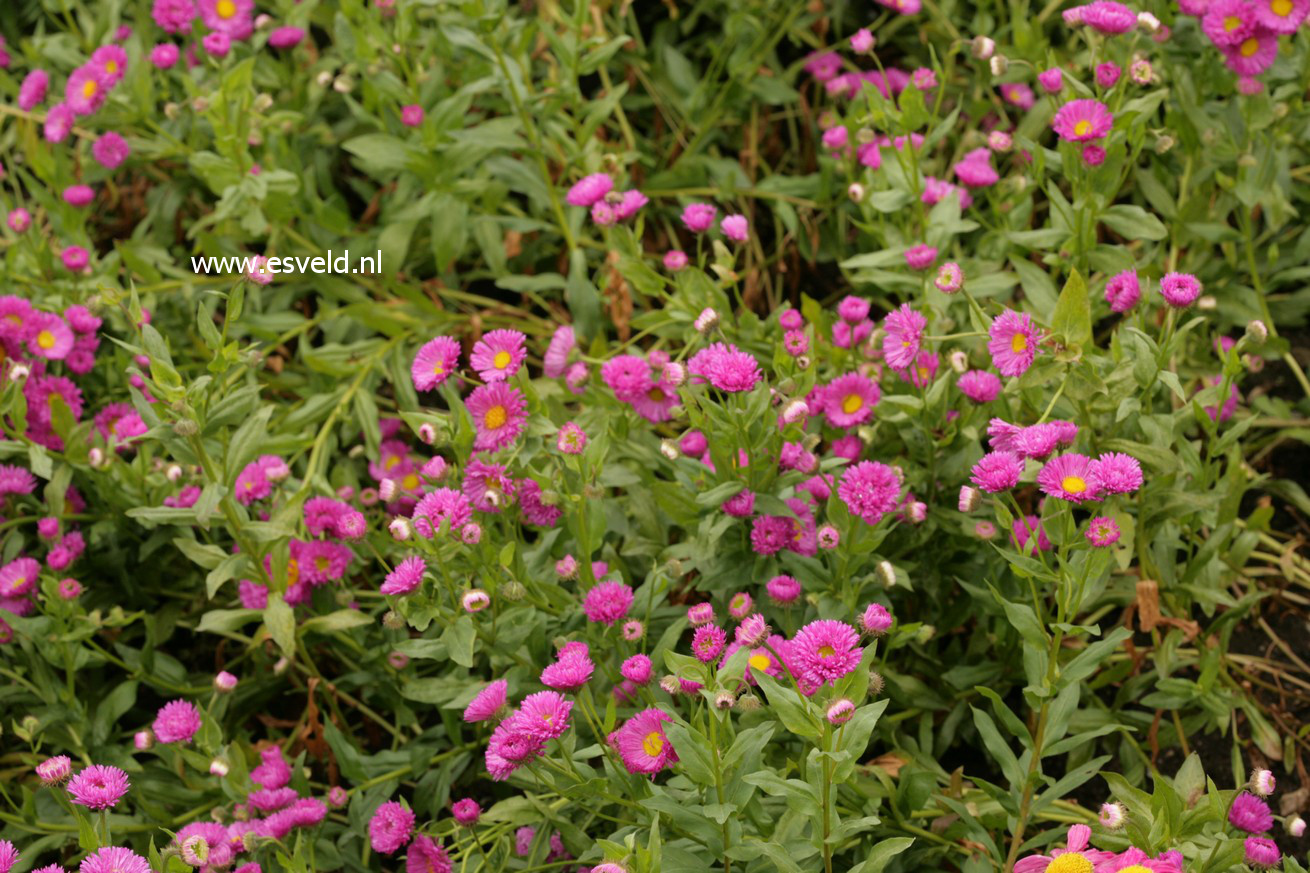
x=1282, y=16
x=33, y=90
x=1251, y=814
x=735, y=227
x=489, y=701
x=825, y=651
x=698, y=217
x=53, y=771
x=862, y=40
x=1076, y=847
x=544, y=715
x=110, y=150
x=850, y=400
x=406, y=577
x=570, y=672
x=1261, y=852
x=1051, y=80
x=708, y=642
x=979, y=386
x=177, y=722
x=58, y=123
x=870, y=489
x=726, y=367
x=1253, y=55
x=997, y=471
x=390, y=828
x=411, y=115
x=98, y=786
x=426, y=855
x=1123, y=291
x=114, y=859
x=86, y=90
x=1013, y=343
x=783, y=590
x=675, y=260
x=217, y=43
x=174, y=16
x=1109, y=17
x=50, y=336
x=976, y=169
x=1022, y=529
x=498, y=355
x=1082, y=120
x=1180, y=289
x=607, y=602
x=905, y=328
x=1102, y=531
x=636, y=669
x=589, y=190
x=232, y=18
x=921, y=256
x=164, y=55
x=1018, y=94
x=435, y=362
x=286, y=37
x=1069, y=477
x=499, y=413
x=466, y=811
x=876, y=619
x=1107, y=75
x=642, y=744
x=1230, y=22
x=1116, y=473
x=924, y=370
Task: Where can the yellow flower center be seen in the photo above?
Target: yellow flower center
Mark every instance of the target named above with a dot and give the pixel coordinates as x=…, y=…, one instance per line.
x=89, y=88
x=391, y=462
x=14, y=319
x=495, y=418
x=923, y=372
x=1082, y=128
x=1231, y=23
x=225, y=8
x=1281, y=8
x=1070, y=862
x=410, y=482
x=1136, y=868
x=759, y=662
x=293, y=572
x=653, y=743
x=826, y=651
x=502, y=359
x=852, y=404
x=438, y=368
x=1018, y=342
x=656, y=395
x=322, y=563
x=1073, y=484
x=1250, y=47
x=45, y=339
x=111, y=67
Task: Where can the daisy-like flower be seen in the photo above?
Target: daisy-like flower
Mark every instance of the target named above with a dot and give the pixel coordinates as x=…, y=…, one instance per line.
x=99, y=786
x=1023, y=529
x=1229, y=22
x=976, y=170
x=570, y=672
x=1013, y=343
x=1078, y=857
x=173, y=16
x=1109, y=17
x=1116, y=473
x=979, y=386
x=1123, y=291
x=177, y=722
x=53, y=771
x=783, y=590
x=850, y=400
x=435, y=362
x=904, y=333
x=544, y=715
x=590, y=190
x=8, y=856
x=18, y=577
x=1253, y=55
x=876, y=620
x=498, y=355
x=735, y=227
x=58, y=123
x=1251, y=814
x=1069, y=477
x=406, y=577
x=111, y=61
x=499, y=413
x=556, y=360
x=1261, y=852
x=825, y=651
x=607, y=602
x=114, y=859
x=1180, y=290
x=1082, y=120
x=870, y=489
x=1282, y=16
x=698, y=217
x=726, y=367
x=390, y=828
x=921, y=256
x=86, y=90
x=33, y=90
x=923, y=371
x=488, y=702
x=997, y=471
x=628, y=376
x=950, y=278
x=1102, y=531
x=1112, y=816
x=229, y=17
x=425, y=855
x=840, y=711
x=708, y=642
x=642, y=744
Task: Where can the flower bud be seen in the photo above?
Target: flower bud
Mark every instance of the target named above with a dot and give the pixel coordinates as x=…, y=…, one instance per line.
x=840, y=711
x=185, y=427
x=217, y=767
x=387, y=490
x=143, y=740
x=1112, y=816
x=670, y=684
x=173, y=473
x=1148, y=22
x=392, y=620
x=999, y=65
x=669, y=449
x=427, y=433
x=795, y=411
x=748, y=703
x=856, y=192
x=337, y=796
x=475, y=600
x=876, y=683
x=195, y=851
x=982, y=47
x=706, y=321
x=1256, y=332
x=1262, y=782
x=224, y=682
x=886, y=574
x=724, y=700
x=959, y=361
x=829, y=537
x=969, y=498
x=401, y=528
x=673, y=373
x=1296, y=826
x=513, y=591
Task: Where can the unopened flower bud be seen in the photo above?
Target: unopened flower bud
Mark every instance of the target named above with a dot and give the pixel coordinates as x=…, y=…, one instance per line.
x=669, y=449
x=982, y=47
x=959, y=361
x=795, y=411
x=173, y=473
x=840, y=711
x=998, y=64
x=969, y=498
x=1112, y=816
x=475, y=600
x=323, y=79
x=343, y=84
x=1148, y=22
x=1262, y=782
x=876, y=683
x=225, y=681
x=855, y=191
x=673, y=373
x=1256, y=332
x=387, y=490
x=195, y=851
x=748, y=703
x=398, y=660
x=706, y=321
x=185, y=427
x=1296, y=826
x=427, y=433
x=143, y=740
x=337, y=796
x=886, y=573
x=217, y=767
x=670, y=684
x=281, y=665
x=401, y=528
x=828, y=537
x=724, y=700
x=513, y=591
x=392, y=620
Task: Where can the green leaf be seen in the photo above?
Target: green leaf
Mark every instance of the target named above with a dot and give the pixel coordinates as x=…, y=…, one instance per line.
x=881, y=854
x=342, y=619
x=459, y=638
x=1133, y=222
x=789, y=706
x=1072, y=319
x=281, y=623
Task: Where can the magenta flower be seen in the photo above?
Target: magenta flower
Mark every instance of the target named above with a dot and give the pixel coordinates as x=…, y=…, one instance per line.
x=1253, y=55
x=1251, y=814
x=498, y=355
x=544, y=715
x=980, y=386
x=174, y=16
x=607, y=602
x=286, y=37
x=556, y=360
x=435, y=362
x=86, y=90
x=1022, y=529
x=1107, y=75
x=177, y=722
x=921, y=256
x=1123, y=291
x=110, y=150
x=850, y=400
x=1051, y=80
x=488, y=702
x=698, y=217
x=876, y=620
x=1282, y=16
x=735, y=227
x=825, y=650
x=1013, y=342
x=75, y=258
x=53, y=771
x=1018, y=94
x=1116, y=473
x=58, y=123
x=1230, y=22
x=870, y=489
x=1180, y=290
x=642, y=744
x=114, y=859
x=1079, y=856
x=783, y=590
x=997, y=471
x=99, y=786
x=708, y=642
x=33, y=90
x=499, y=413
x=1102, y=531
x=1109, y=17
x=411, y=115
x=1082, y=120
x=905, y=329
x=726, y=367
x=229, y=17
x=406, y=577
x=217, y=44
x=636, y=669
x=1262, y=852
x=589, y=190
x=976, y=170
x=164, y=55
x=1069, y=477
x=390, y=828
x=571, y=671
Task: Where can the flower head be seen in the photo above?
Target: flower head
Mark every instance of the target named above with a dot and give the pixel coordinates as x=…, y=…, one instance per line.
x=435, y=362
x=1261, y=852
x=980, y=386
x=607, y=602
x=99, y=786
x=390, y=827
x=904, y=333
x=1123, y=291
x=1069, y=477
x=499, y=413
x=406, y=577
x=114, y=859
x=498, y=355
x=1180, y=290
x=1013, y=343
x=698, y=217
x=850, y=400
x=53, y=771
x=876, y=619
x=488, y=702
x=823, y=651
x=177, y=722
x=544, y=715
x=642, y=744
x=708, y=642
x=870, y=489
x=1082, y=120
x=1251, y=814
x=1102, y=531
x=997, y=471
x=1116, y=473
x=726, y=367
